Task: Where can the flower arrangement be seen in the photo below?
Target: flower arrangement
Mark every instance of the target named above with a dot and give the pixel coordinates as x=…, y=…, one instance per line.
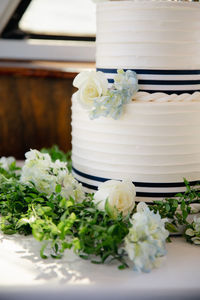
x=43, y=199
x=45, y=174
x=95, y=96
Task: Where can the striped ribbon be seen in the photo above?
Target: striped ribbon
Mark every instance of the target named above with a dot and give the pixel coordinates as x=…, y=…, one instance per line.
x=165, y=81
x=91, y=182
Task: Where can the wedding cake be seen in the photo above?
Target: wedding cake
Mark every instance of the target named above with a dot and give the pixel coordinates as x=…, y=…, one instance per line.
x=156, y=141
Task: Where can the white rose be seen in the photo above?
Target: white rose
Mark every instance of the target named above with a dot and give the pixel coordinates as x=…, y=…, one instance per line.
x=120, y=196
x=91, y=85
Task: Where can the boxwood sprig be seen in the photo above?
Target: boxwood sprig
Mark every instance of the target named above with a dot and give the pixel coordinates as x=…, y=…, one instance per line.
x=177, y=209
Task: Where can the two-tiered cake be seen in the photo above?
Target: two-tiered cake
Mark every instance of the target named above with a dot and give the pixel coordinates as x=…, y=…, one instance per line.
x=156, y=142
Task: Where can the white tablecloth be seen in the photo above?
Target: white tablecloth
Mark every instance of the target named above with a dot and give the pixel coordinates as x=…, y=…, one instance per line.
x=24, y=275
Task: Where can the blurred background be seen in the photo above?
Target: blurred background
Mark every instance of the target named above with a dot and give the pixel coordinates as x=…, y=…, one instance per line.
x=44, y=44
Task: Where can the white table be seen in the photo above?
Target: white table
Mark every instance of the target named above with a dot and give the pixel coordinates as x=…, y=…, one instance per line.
x=24, y=275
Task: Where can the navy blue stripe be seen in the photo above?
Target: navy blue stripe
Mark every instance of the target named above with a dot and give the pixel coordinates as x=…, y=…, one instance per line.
x=157, y=195
x=169, y=92
x=138, y=194
x=137, y=184
x=155, y=72
x=169, y=82
x=89, y=186
x=91, y=177
x=164, y=82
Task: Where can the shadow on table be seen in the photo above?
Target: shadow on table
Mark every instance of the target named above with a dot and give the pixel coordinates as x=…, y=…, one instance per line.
x=69, y=269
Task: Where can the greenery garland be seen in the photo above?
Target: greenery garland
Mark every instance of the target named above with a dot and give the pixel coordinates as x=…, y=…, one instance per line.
x=61, y=223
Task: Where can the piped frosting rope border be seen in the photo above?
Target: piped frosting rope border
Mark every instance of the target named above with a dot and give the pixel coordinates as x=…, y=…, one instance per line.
x=163, y=97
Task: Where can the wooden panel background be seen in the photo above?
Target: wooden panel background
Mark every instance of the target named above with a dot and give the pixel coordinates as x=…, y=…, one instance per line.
x=35, y=109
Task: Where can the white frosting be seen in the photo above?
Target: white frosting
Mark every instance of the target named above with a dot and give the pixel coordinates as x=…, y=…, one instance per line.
x=152, y=142
x=162, y=97
x=148, y=34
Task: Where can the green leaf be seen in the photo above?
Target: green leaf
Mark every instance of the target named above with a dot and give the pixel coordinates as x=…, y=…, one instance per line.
x=66, y=245
x=58, y=188
x=76, y=243
x=109, y=210
x=42, y=251
x=183, y=205
x=122, y=267
x=112, y=228
x=96, y=262
x=59, y=256
x=22, y=222
x=86, y=257
x=170, y=227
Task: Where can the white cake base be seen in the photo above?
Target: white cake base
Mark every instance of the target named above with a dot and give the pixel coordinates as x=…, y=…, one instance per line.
x=153, y=144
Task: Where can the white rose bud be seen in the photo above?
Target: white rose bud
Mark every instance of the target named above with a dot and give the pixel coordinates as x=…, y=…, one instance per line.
x=119, y=196
x=91, y=85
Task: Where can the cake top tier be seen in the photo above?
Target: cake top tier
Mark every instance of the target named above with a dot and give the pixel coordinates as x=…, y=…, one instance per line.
x=148, y=35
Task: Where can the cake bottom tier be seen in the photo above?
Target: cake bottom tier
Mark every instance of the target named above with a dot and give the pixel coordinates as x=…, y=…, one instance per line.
x=155, y=145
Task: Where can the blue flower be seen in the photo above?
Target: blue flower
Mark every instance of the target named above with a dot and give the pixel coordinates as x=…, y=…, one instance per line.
x=145, y=242
x=126, y=82
x=121, y=93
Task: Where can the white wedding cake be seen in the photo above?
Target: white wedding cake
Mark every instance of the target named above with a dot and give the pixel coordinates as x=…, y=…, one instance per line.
x=156, y=141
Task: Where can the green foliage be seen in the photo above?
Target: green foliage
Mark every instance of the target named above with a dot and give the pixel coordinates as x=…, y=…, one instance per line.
x=178, y=208
x=15, y=200
x=13, y=171
x=61, y=224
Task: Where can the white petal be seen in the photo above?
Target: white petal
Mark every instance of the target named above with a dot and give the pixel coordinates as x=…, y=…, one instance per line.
x=81, y=78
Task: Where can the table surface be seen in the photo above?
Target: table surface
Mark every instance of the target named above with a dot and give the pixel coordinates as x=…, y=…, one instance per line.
x=24, y=273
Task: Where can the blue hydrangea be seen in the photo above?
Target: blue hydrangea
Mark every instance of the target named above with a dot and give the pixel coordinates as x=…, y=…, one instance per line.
x=121, y=93
x=145, y=242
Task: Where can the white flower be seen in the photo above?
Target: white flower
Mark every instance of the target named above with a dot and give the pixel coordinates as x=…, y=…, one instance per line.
x=197, y=224
x=145, y=242
x=71, y=188
x=193, y=232
x=46, y=175
x=120, y=196
x=91, y=85
x=5, y=162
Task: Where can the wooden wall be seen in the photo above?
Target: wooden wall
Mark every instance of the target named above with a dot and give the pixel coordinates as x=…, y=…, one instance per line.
x=35, y=107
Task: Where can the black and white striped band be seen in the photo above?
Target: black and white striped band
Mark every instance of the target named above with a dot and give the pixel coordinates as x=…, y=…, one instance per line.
x=164, y=81
x=143, y=189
